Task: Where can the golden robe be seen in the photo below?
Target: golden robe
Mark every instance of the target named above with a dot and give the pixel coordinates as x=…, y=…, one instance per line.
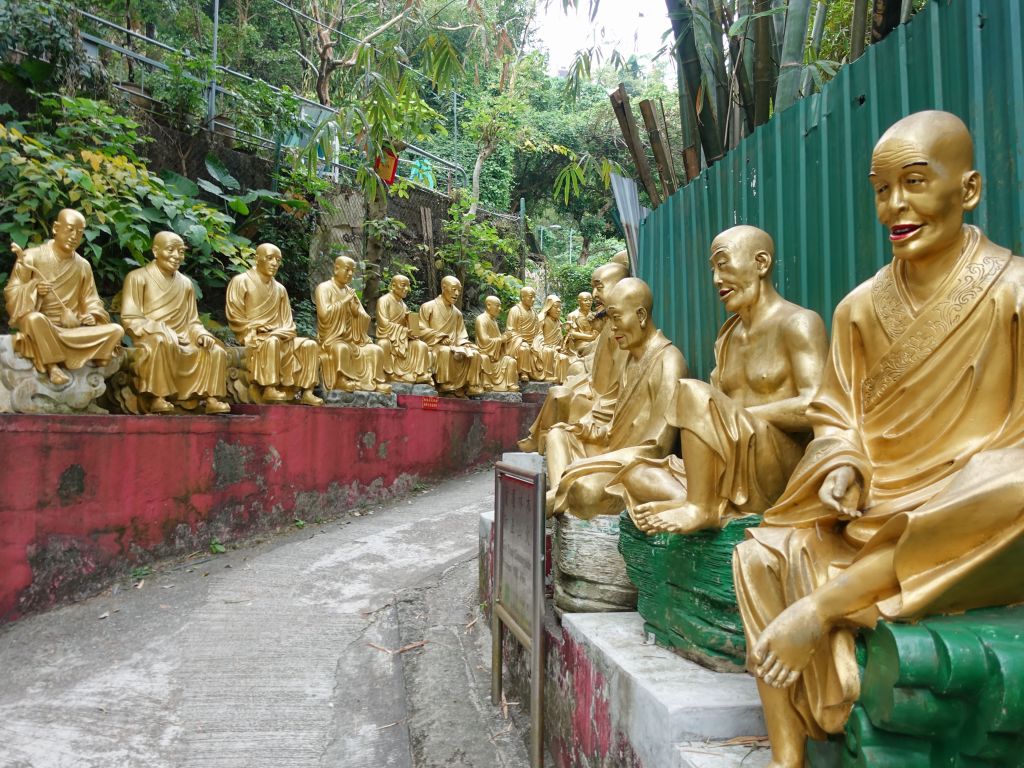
x=928, y=406
x=348, y=359
x=444, y=331
x=50, y=331
x=497, y=370
x=585, y=325
x=526, y=344
x=161, y=317
x=405, y=359
x=638, y=428
x=549, y=343
x=755, y=458
x=279, y=359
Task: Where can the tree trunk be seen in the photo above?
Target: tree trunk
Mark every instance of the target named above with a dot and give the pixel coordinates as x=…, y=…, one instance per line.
x=793, y=44
x=585, y=252
x=485, y=152
x=376, y=210
x=858, y=28
x=763, y=74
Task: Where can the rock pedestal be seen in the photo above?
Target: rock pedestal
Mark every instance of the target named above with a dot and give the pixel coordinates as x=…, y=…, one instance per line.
x=337, y=398
x=590, y=574
x=24, y=390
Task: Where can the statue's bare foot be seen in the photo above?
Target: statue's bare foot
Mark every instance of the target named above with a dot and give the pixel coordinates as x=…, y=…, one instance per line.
x=475, y=391
x=274, y=395
x=642, y=512
x=308, y=398
x=785, y=647
x=384, y=389
x=160, y=405
x=682, y=518
x=215, y=406
x=57, y=376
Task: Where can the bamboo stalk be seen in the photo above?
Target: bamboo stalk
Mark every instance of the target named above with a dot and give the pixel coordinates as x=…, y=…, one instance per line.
x=706, y=122
x=792, y=54
x=668, y=145
x=858, y=28
x=816, y=35
x=627, y=124
x=687, y=115
x=661, y=158
x=762, y=63
x=908, y=9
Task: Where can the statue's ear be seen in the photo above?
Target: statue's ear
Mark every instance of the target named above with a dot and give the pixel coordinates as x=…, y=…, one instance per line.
x=763, y=259
x=971, y=184
x=643, y=317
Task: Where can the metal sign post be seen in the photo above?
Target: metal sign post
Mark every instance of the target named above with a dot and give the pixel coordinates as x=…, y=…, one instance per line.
x=517, y=600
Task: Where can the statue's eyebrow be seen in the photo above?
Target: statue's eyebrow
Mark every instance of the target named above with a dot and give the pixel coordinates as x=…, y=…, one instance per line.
x=916, y=162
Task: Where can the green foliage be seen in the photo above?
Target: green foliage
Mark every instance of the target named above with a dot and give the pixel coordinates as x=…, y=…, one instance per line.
x=40, y=48
x=216, y=548
x=124, y=204
x=182, y=91
x=570, y=280
x=261, y=111
x=473, y=248
x=386, y=229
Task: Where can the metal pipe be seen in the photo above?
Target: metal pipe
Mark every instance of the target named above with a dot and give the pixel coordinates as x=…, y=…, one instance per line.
x=212, y=111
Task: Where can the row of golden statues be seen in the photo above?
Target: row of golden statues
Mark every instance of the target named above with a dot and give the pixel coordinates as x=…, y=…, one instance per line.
x=62, y=325
x=888, y=465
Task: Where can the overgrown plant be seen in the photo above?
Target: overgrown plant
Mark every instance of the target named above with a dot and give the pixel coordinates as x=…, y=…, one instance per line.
x=476, y=252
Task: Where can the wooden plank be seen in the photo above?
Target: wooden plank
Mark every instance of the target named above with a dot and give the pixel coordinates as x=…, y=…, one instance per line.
x=661, y=157
x=631, y=134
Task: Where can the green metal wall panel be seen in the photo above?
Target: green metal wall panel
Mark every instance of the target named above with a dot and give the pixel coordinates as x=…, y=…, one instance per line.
x=803, y=175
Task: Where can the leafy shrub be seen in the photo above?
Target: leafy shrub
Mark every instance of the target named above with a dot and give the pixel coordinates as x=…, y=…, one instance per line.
x=473, y=248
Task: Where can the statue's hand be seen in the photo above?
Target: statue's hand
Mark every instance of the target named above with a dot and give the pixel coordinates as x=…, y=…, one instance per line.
x=205, y=341
x=842, y=491
x=43, y=288
x=88, y=320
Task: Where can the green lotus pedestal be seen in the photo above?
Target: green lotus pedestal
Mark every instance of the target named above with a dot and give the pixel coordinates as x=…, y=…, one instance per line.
x=685, y=590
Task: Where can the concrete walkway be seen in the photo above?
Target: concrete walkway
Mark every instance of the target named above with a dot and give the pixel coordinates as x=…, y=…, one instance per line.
x=281, y=654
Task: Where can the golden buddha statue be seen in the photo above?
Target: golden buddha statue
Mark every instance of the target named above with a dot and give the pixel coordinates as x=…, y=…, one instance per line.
x=908, y=500
x=550, y=340
x=588, y=392
x=52, y=300
x=583, y=327
x=497, y=370
x=525, y=339
x=743, y=433
x=406, y=359
x=584, y=457
x=282, y=364
x=348, y=359
x=442, y=327
x=177, y=357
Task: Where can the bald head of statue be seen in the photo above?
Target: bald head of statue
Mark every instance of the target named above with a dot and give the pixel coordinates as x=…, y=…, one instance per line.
x=629, y=309
x=924, y=181
x=451, y=289
x=742, y=259
x=604, y=278
x=168, y=252
x=344, y=269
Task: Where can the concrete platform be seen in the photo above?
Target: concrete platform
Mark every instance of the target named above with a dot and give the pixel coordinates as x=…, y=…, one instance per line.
x=719, y=755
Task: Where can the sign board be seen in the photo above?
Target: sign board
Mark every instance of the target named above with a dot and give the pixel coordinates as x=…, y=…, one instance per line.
x=518, y=593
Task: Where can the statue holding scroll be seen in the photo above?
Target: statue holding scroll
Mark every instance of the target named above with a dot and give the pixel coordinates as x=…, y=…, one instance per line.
x=406, y=359
x=742, y=434
x=908, y=501
x=583, y=328
x=52, y=300
x=178, y=359
x=282, y=364
x=585, y=456
x=348, y=359
x=497, y=370
x=442, y=327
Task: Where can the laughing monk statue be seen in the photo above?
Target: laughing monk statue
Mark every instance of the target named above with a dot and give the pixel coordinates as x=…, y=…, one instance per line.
x=349, y=360
x=281, y=363
x=742, y=434
x=52, y=300
x=178, y=358
x=442, y=327
x=909, y=500
x=590, y=391
x=584, y=457
x=405, y=359
x=497, y=370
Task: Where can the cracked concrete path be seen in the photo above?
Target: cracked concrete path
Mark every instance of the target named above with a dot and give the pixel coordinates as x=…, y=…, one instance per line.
x=276, y=655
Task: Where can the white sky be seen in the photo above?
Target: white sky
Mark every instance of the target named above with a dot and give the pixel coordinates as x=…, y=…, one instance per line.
x=632, y=26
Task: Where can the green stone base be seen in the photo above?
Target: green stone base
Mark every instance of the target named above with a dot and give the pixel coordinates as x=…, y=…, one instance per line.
x=948, y=691
x=685, y=590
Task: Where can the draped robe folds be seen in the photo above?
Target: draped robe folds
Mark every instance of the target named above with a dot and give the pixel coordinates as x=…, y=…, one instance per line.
x=497, y=370
x=405, y=359
x=156, y=310
x=581, y=324
x=348, y=359
x=280, y=359
x=44, y=335
x=457, y=364
x=526, y=343
x=638, y=428
x=754, y=457
x=928, y=407
x=549, y=343
x=588, y=394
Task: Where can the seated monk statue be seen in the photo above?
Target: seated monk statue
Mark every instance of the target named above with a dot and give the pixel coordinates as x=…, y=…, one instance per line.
x=585, y=456
x=550, y=340
x=908, y=502
x=178, y=358
x=52, y=300
x=743, y=433
x=282, y=364
x=456, y=360
x=497, y=370
x=405, y=359
x=583, y=328
x=348, y=359
x=590, y=391
x=525, y=339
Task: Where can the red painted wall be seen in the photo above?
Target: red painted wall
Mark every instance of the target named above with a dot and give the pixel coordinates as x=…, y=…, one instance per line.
x=83, y=497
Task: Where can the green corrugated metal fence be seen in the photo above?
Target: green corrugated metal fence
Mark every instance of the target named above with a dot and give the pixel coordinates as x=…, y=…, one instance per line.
x=803, y=176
